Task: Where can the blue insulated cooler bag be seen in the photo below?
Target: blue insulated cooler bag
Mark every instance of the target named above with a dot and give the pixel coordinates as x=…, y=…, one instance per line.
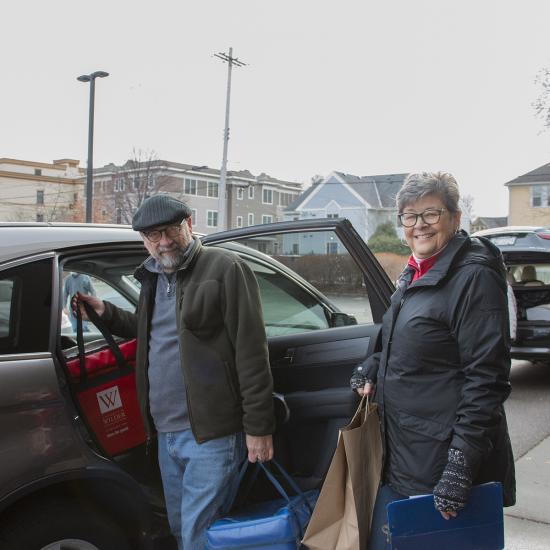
x=274, y=525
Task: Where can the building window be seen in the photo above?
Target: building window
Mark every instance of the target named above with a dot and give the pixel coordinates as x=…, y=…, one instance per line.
x=240, y=193
x=40, y=197
x=250, y=219
x=267, y=196
x=333, y=216
x=332, y=248
x=212, y=189
x=151, y=181
x=267, y=219
x=250, y=192
x=118, y=215
x=239, y=221
x=135, y=183
x=540, y=195
x=39, y=217
x=119, y=184
x=190, y=187
x=193, y=216
x=104, y=213
x=38, y=171
x=212, y=218
x=295, y=249
x=285, y=199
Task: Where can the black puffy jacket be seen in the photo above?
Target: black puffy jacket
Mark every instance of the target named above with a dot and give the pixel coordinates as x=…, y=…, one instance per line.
x=443, y=372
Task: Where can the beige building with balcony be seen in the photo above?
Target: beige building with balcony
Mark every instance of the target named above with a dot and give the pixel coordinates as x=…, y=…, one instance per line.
x=39, y=191
x=529, y=198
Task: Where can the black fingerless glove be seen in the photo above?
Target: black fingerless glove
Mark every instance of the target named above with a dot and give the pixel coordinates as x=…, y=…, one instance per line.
x=358, y=378
x=453, y=489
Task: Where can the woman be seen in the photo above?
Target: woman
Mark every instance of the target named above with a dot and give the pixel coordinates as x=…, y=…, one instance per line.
x=443, y=372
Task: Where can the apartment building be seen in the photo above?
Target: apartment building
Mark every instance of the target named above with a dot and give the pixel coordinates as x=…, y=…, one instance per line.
x=251, y=200
x=38, y=191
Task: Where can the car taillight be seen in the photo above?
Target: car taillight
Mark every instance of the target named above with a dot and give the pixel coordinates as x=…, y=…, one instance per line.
x=544, y=235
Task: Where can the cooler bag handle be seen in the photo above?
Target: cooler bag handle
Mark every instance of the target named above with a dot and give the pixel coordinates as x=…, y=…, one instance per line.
x=272, y=479
x=99, y=323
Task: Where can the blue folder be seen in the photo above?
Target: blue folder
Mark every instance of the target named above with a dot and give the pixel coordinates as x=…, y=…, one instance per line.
x=416, y=525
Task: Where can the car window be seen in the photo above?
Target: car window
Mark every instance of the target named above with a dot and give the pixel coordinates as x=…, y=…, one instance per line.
x=288, y=309
x=6, y=297
x=25, y=302
x=529, y=273
x=322, y=260
x=109, y=277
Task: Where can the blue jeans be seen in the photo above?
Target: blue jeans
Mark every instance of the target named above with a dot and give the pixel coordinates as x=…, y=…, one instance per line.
x=380, y=535
x=198, y=481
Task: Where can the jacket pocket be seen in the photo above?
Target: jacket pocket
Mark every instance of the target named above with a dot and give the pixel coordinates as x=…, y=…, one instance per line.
x=424, y=426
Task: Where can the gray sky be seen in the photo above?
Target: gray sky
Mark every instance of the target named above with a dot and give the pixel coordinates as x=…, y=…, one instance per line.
x=358, y=86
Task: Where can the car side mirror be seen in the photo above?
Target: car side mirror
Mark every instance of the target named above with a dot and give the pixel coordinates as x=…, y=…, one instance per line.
x=340, y=319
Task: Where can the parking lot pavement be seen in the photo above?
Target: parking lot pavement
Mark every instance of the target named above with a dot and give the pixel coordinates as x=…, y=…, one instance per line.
x=527, y=524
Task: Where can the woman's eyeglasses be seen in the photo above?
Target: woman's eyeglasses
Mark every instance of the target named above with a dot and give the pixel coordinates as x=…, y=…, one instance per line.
x=430, y=217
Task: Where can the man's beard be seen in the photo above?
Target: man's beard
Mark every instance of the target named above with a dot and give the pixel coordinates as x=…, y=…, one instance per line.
x=173, y=261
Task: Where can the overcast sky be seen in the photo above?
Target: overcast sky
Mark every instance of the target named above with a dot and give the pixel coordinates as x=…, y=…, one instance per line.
x=364, y=87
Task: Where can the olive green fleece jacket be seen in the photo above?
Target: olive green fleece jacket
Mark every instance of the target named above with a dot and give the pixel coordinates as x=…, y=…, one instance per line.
x=223, y=347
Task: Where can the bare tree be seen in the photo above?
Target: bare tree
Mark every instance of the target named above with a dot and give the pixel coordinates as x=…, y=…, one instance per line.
x=139, y=177
x=467, y=206
x=542, y=103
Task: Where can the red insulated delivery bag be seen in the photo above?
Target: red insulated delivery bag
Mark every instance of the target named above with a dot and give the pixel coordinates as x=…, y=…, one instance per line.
x=104, y=383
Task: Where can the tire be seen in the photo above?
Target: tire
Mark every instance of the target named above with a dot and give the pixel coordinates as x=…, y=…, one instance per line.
x=54, y=524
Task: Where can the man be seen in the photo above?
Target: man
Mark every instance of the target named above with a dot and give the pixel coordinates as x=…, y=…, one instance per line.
x=76, y=282
x=202, y=370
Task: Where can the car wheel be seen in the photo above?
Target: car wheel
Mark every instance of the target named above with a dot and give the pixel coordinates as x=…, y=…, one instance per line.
x=60, y=525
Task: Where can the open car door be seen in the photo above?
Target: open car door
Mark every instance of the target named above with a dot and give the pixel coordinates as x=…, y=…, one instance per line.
x=323, y=296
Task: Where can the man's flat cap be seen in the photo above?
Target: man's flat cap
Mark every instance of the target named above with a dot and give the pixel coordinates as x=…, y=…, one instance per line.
x=159, y=210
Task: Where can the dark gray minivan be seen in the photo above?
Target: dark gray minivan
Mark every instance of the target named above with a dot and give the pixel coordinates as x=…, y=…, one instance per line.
x=323, y=296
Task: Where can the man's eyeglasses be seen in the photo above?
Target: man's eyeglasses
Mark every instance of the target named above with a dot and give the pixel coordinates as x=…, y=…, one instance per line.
x=430, y=217
x=154, y=236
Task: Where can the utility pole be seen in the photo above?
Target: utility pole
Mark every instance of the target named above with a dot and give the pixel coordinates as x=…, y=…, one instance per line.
x=222, y=199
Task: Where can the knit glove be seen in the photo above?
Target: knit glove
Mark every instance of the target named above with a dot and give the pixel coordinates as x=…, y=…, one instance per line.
x=453, y=489
x=358, y=379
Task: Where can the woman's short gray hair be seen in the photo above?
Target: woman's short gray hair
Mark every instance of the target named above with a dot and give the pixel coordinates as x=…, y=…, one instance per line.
x=441, y=184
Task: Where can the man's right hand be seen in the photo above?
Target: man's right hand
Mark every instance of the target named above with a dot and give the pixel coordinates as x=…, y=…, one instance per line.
x=96, y=303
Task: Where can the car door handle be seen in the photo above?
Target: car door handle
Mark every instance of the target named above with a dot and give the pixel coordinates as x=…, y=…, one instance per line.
x=286, y=359
x=289, y=355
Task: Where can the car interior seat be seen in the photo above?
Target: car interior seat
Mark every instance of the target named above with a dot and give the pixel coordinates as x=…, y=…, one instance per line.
x=529, y=276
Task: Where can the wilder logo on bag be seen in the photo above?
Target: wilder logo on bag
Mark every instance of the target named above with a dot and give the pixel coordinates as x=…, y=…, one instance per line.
x=109, y=399
x=113, y=415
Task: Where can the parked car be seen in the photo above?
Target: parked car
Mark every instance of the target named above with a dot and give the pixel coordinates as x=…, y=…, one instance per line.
x=323, y=295
x=526, y=252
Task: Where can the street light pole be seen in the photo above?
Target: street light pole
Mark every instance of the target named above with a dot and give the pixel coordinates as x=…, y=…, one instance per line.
x=230, y=60
x=90, y=168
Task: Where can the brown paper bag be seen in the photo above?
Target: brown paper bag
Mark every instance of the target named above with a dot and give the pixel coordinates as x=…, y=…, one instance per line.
x=342, y=516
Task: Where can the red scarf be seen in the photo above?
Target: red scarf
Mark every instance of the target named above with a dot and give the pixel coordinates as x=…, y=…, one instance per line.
x=423, y=268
